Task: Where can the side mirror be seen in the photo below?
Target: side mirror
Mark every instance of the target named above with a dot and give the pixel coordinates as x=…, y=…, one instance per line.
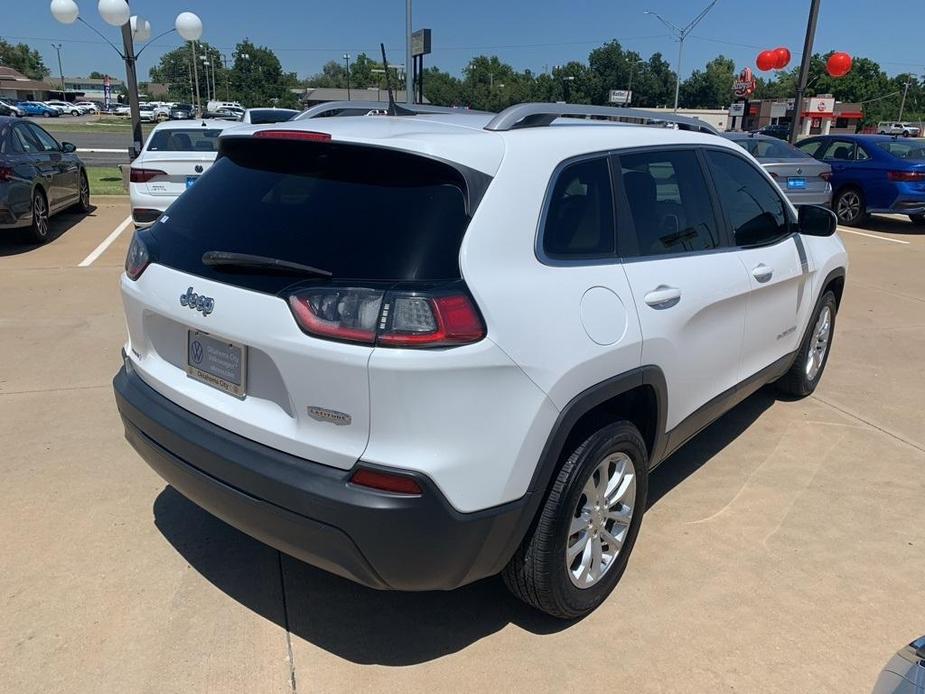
x=68, y=148
x=815, y=220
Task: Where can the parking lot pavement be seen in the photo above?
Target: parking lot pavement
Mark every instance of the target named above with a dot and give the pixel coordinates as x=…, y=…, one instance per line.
x=782, y=551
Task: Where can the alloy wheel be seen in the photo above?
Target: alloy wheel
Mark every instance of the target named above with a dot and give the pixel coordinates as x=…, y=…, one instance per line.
x=849, y=206
x=40, y=216
x=820, y=343
x=84, y=192
x=601, y=520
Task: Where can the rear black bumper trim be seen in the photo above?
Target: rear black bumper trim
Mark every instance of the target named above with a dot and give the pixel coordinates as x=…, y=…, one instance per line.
x=309, y=510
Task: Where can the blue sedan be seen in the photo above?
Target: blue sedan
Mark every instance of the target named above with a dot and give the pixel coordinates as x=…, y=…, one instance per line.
x=873, y=173
x=35, y=108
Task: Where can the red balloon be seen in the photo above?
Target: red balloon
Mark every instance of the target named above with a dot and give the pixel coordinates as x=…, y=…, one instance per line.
x=766, y=60
x=783, y=57
x=838, y=64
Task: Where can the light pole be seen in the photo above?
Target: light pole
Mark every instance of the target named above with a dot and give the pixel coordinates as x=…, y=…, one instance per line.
x=347, y=60
x=58, y=47
x=409, y=72
x=116, y=13
x=205, y=64
x=804, y=69
x=629, y=87
x=681, y=33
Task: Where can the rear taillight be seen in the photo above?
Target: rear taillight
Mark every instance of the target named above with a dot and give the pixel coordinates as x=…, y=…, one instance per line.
x=144, y=175
x=6, y=173
x=826, y=175
x=137, y=258
x=390, y=319
x=906, y=176
x=774, y=175
x=304, y=135
x=392, y=482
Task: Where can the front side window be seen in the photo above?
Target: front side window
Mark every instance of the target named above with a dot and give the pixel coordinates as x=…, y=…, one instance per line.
x=579, y=218
x=669, y=202
x=811, y=148
x=46, y=141
x=755, y=210
x=23, y=140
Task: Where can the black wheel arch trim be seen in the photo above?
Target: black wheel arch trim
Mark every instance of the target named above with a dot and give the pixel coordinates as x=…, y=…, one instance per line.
x=586, y=401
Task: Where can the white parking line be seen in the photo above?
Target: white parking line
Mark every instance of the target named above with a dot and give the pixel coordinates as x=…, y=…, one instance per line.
x=873, y=236
x=107, y=242
x=94, y=150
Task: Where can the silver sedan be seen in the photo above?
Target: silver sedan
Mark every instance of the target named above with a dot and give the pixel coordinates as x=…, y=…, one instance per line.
x=806, y=181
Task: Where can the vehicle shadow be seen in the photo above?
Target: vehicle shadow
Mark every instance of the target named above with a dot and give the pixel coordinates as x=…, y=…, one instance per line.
x=891, y=225
x=14, y=241
x=366, y=626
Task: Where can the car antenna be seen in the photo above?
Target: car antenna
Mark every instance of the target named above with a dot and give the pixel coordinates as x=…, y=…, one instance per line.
x=394, y=109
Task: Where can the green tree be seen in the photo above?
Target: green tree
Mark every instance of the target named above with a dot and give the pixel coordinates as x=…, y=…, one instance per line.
x=97, y=75
x=710, y=87
x=23, y=59
x=442, y=89
x=257, y=78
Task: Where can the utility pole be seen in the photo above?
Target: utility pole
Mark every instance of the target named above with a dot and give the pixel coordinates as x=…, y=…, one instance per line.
x=804, y=69
x=681, y=34
x=132, y=83
x=347, y=60
x=902, y=104
x=409, y=73
x=58, y=47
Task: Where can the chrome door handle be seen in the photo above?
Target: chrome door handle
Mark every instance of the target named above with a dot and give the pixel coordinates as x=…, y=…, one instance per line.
x=663, y=297
x=762, y=273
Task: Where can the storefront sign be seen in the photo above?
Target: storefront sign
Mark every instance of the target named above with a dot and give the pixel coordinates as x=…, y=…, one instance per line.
x=745, y=83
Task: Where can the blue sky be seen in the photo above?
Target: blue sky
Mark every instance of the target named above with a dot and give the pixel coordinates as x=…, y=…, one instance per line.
x=534, y=35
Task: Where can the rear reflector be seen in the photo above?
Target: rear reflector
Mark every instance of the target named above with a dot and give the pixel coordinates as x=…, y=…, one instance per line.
x=304, y=135
x=144, y=175
x=6, y=173
x=906, y=176
x=826, y=175
x=386, y=482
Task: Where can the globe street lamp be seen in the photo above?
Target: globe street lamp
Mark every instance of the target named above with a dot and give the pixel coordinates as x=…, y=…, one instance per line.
x=116, y=13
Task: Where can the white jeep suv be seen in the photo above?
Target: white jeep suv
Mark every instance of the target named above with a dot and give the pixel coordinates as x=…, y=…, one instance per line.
x=420, y=350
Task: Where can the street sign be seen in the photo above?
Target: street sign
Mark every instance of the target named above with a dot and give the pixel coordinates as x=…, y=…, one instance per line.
x=623, y=97
x=420, y=42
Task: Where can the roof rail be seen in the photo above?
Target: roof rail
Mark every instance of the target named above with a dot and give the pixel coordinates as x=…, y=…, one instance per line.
x=362, y=108
x=540, y=115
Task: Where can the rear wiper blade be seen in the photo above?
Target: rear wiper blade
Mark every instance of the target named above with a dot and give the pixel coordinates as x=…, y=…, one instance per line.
x=246, y=261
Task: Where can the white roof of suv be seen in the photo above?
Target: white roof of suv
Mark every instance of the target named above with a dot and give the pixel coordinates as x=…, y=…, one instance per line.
x=463, y=138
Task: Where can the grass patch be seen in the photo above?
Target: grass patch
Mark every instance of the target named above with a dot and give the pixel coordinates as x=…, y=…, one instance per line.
x=105, y=125
x=105, y=180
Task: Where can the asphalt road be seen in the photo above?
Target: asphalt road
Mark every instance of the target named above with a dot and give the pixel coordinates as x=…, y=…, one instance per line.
x=782, y=550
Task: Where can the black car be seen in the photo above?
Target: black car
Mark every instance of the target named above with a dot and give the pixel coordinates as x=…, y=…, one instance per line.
x=780, y=131
x=181, y=112
x=38, y=178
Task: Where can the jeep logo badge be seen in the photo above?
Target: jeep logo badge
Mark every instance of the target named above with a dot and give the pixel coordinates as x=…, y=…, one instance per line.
x=203, y=304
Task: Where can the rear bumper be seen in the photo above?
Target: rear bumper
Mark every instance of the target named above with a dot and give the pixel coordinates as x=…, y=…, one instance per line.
x=310, y=511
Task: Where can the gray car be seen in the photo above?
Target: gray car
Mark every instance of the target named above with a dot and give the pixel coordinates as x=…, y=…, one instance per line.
x=806, y=181
x=905, y=673
x=38, y=177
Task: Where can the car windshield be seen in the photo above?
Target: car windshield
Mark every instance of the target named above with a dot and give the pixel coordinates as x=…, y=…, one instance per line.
x=361, y=213
x=770, y=149
x=913, y=150
x=184, y=140
x=271, y=115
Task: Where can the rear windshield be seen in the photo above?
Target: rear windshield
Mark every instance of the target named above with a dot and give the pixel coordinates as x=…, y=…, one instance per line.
x=360, y=213
x=770, y=149
x=913, y=150
x=271, y=115
x=192, y=140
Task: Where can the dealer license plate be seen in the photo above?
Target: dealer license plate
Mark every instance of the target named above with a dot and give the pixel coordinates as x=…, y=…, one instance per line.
x=216, y=362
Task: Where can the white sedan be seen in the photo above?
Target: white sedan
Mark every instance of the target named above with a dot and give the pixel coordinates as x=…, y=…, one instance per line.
x=174, y=156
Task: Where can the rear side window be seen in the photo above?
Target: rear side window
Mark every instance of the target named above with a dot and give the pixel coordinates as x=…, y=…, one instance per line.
x=839, y=150
x=669, y=202
x=755, y=210
x=360, y=213
x=191, y=140
x=579, y=217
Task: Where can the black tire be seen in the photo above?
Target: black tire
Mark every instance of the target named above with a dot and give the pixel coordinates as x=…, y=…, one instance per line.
x=46, y=114
x=917, y=219
x=83, y=188
x=39, y=231
x=75, y=113
x=537, y=573
x=799, y=381
x=850, y=207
